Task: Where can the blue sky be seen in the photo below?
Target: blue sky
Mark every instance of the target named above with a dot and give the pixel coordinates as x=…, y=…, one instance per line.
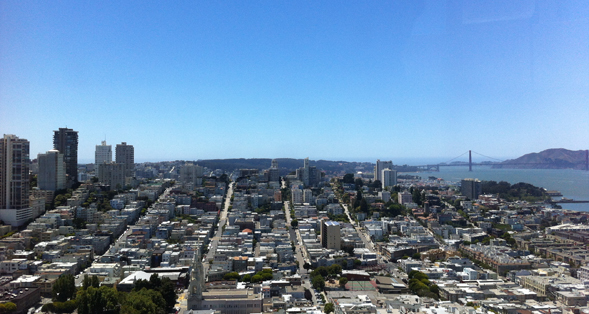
x=348, y=80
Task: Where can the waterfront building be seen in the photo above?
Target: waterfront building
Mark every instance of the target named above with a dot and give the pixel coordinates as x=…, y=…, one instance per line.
x=389, y=178
x=379, y=167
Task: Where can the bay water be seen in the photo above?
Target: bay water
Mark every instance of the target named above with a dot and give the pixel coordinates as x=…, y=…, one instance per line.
x=573, y=184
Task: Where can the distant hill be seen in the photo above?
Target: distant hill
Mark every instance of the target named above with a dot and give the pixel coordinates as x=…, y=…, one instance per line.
x=554, y=158
x=287, y=165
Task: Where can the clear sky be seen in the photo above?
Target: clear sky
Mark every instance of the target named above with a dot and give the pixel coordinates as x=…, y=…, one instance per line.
x=321, y=79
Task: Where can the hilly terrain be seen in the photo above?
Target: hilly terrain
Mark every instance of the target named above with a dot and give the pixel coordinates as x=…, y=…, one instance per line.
x=554, y=158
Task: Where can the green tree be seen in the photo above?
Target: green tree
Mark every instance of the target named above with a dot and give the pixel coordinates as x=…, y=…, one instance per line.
x=335, y=269
x=64, y=288
x=142, y=302
x=318, y=282
x=348, y=178
x=7, y=307
x=231, y=276
x=95, y=282
x=343, y=281
x=328, y=308
x=294, y=223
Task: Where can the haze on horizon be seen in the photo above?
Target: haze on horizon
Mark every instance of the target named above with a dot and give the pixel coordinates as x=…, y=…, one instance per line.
x=393, y=80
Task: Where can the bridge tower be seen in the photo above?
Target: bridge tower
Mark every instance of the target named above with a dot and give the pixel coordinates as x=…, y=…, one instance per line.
x=469, y=161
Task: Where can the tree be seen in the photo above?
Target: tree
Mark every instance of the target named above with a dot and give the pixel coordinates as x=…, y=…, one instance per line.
x=328, y=308
x=417, y=256
x=318, y=282
x=307, y=265
x=256, y=278
x=348, y=178
x=335, y=269
x=343, y=281
x=7, y=307
x=358, y=183
x=294, y=223
x=231, y=276
x=95, y=282
x=64, y=288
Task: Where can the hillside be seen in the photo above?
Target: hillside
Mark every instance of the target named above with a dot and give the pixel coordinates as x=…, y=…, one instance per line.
x=287, y=165
x=555, y=158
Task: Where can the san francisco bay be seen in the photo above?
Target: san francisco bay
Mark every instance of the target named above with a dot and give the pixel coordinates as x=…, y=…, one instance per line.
x=573, y=184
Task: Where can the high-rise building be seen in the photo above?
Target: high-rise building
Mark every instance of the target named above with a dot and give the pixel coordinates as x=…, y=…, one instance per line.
x=310, y=175
x=471, y=188
x=66, y=142
x=389, y=178
x=306, y=171
x=125, y=154
x=191, y=173
x=112, y=174
x=379, y=167
x=51, y=171
x=273, y=174
x=103, y=154
x=330, y=234
x=297, y=195
x=14, y=180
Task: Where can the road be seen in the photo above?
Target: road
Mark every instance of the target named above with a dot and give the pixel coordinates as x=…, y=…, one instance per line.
x=222, y=221
x=295, y=237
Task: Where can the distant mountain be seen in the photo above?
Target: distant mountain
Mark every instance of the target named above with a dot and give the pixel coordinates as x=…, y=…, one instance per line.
x=554, y=158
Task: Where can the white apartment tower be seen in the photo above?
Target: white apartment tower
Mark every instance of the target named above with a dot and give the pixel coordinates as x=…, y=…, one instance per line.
x=103, y=154
x=379, y=167
x=14, y=180
x=51, y=171
x=389, y=178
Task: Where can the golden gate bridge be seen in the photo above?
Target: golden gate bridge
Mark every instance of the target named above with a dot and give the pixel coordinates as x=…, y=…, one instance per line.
x=495, y=161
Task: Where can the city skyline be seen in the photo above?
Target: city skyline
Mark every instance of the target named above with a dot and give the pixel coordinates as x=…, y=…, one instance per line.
x=389, y=80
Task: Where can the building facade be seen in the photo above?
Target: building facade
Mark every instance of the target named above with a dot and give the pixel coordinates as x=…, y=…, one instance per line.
x=51, y=175
x=103, y=154
x=125, y=154
x=389, y=178
x=66, y=142
x=330, y=234
x=471, y=188
x=379, y=167
x=112, y=174
x=14, y=180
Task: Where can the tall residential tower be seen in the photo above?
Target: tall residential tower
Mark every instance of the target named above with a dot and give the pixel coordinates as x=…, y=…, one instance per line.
x=14, y=180
x=51, y=171
x=66, y=142
x=103, y=154
x=125, y=154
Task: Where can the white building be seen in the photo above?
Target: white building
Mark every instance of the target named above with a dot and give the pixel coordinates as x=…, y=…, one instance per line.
x=389, y=178
x=103, y=154
x=297, y=196
x=380, y=166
